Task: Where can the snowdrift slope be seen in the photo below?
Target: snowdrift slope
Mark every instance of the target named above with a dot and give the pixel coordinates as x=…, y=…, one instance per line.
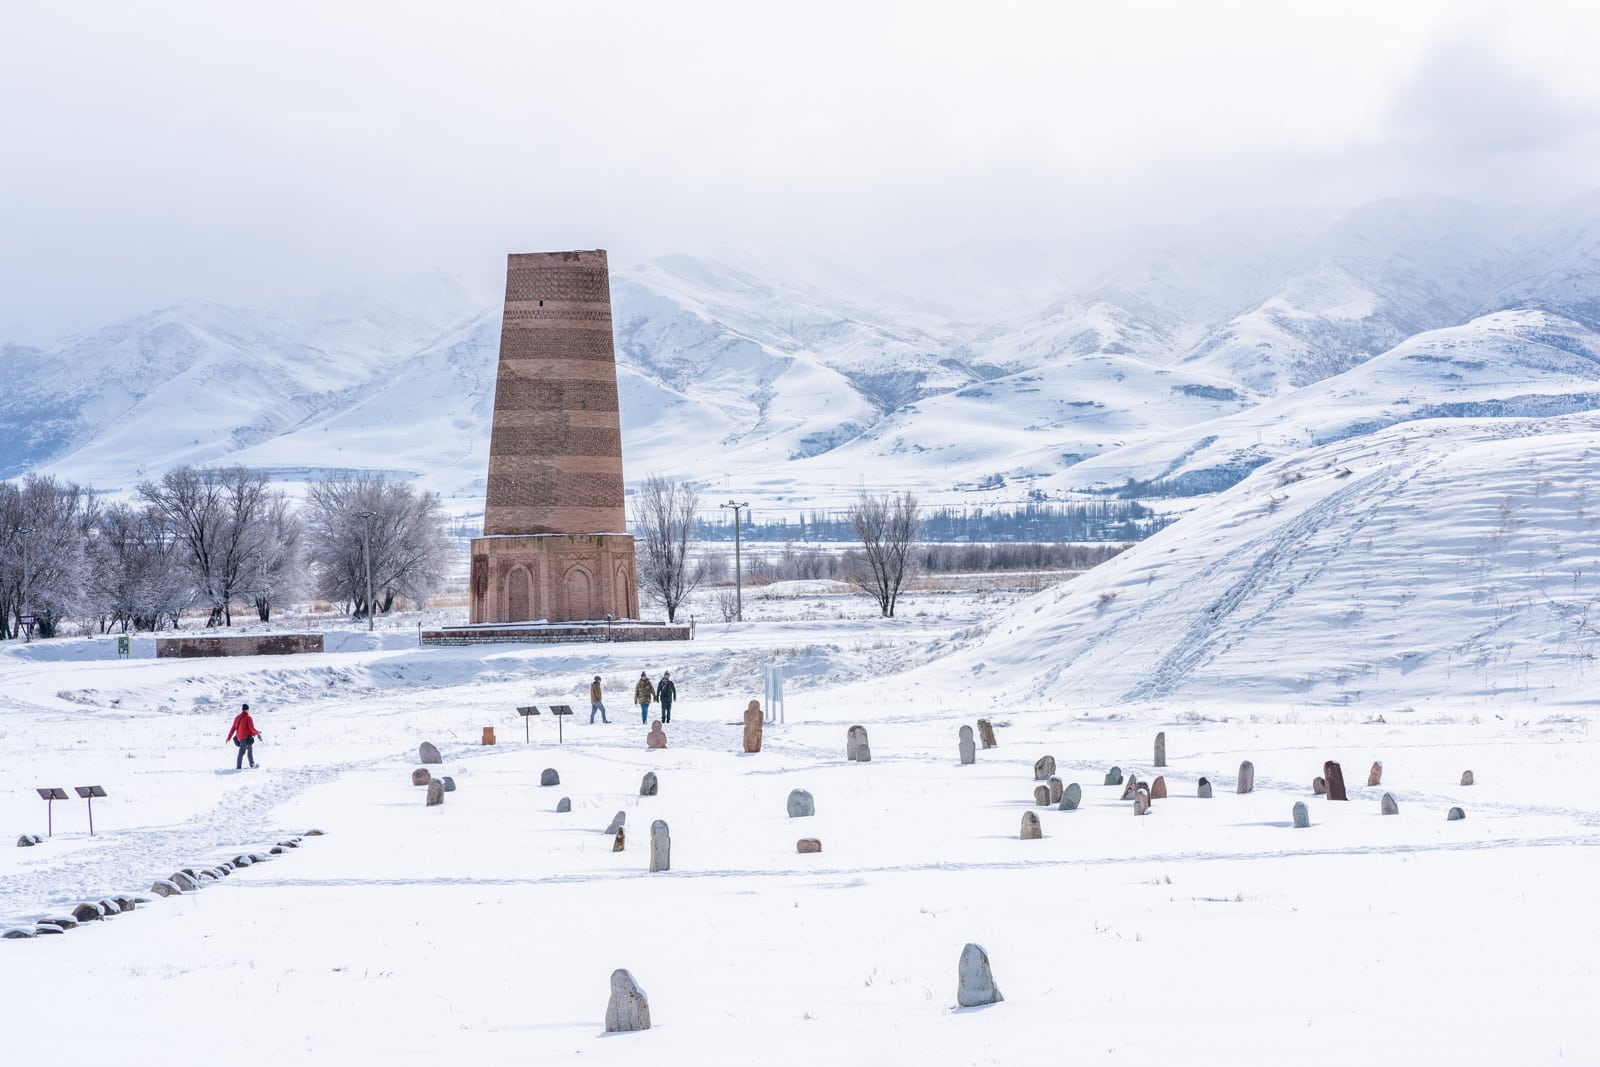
x=1433, y=558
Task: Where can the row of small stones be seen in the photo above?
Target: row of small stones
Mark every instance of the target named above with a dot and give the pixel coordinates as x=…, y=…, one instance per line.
x=187, y=880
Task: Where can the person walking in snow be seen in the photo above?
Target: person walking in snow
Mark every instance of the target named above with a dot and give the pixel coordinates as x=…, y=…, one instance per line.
x=643, y=694
x=595, y=703
x=666, y=692
x=244, y=734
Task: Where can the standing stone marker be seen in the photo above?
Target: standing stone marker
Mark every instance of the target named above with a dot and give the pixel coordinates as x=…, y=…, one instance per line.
x=986, y=734
x=1114, y=776
x=435, y=793
x=1141, y=802
x=1388, y=806
x=549, y=777
x=629, y=1008
x=1455, y=814
x=1030, y=827
x=1161, y=749
x=855, y=739
x=660, y=847
x=657, y=737
x=1203, y=791
x=427, y=753
x=1055, y=789
x=968, y=752
x=1319, y=786
x=563, y=805
x=1158, y=788
x=1041, y=795
x=808, y=844
x=801, y=805
x=449, y=783
x=617, y=822
x=621, y=841
x=1302, y=816
x=974, y=980
x=647, y=784
x=488, y=735
x=1247, y=777
x=1466, y=777
x=863, y=750
x=1071, y=797
x=1043, y=768
x=1131, y=789
x=1333, y=775
x=420, y=776
x=1375, y=776
x=752, y=727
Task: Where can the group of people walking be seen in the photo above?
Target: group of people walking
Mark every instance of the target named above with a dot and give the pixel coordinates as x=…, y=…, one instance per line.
x=663, y=692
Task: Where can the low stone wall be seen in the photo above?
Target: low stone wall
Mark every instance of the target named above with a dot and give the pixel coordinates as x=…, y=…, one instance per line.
x=552, y=635
x=238, y=645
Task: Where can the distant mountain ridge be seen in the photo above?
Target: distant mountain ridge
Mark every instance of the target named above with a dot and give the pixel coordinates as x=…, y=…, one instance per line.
x=1183, y=356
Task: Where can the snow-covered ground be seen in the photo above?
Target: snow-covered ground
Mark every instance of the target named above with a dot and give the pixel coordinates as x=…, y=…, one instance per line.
x=485, y=930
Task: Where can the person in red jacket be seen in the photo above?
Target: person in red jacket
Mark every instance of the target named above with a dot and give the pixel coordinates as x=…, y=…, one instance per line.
x=244, y=734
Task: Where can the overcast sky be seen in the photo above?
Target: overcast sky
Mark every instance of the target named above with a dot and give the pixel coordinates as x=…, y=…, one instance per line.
x=153, y=152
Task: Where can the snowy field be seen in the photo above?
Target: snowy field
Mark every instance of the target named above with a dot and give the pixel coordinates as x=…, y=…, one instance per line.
x=485, y=930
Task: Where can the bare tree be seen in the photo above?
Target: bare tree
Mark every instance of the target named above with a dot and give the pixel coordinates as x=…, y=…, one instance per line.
x=664, y=532
x=138, y=576
x=365, y=520
x=888, y=527
x=43, y=568
x=216, y=513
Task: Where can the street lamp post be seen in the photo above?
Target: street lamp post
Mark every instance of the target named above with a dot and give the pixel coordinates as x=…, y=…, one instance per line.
x=738, y=581
x=366, y=518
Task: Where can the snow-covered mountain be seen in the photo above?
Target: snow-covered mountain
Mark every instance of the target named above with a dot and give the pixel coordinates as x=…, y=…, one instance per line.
x=1184, y=357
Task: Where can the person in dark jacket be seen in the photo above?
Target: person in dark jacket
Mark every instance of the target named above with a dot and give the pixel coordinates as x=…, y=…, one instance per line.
x=595, y=703
x=244, y=734
x=643, y=694
x=666, y=692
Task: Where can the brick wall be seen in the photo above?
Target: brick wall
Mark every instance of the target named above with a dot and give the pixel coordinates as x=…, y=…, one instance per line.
x=238, y=645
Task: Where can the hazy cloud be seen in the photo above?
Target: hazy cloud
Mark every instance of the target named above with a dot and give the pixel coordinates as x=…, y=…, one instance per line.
x=158, y=152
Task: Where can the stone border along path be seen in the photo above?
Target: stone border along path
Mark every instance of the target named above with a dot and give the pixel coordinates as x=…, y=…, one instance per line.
x=140, y=856
x=175, y=884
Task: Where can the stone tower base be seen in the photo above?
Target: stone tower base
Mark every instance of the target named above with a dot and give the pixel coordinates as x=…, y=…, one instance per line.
x=556, y=577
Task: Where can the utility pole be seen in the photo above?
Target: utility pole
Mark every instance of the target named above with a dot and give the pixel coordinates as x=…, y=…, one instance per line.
x=366, y=518
x=26, y=534
x=738, y=581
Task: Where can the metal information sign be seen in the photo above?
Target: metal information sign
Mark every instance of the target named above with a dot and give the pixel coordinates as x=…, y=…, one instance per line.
x=88, y=793
x=123, y=646
x=560, y=711
x=526, y=713
x=49, y=795
x=775, y=708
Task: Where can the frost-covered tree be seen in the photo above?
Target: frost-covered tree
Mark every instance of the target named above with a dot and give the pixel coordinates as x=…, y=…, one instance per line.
x=138, y=578
x=888, y=527
x=663, y=533
x=276, y=570
x=43, y=565
x=365, y=520
x=217, y=514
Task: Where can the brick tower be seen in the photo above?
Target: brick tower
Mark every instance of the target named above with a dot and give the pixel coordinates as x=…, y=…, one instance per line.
x=554, y=544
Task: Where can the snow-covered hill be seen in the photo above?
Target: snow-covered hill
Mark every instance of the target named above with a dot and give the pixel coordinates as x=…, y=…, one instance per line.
x=1457, y=556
